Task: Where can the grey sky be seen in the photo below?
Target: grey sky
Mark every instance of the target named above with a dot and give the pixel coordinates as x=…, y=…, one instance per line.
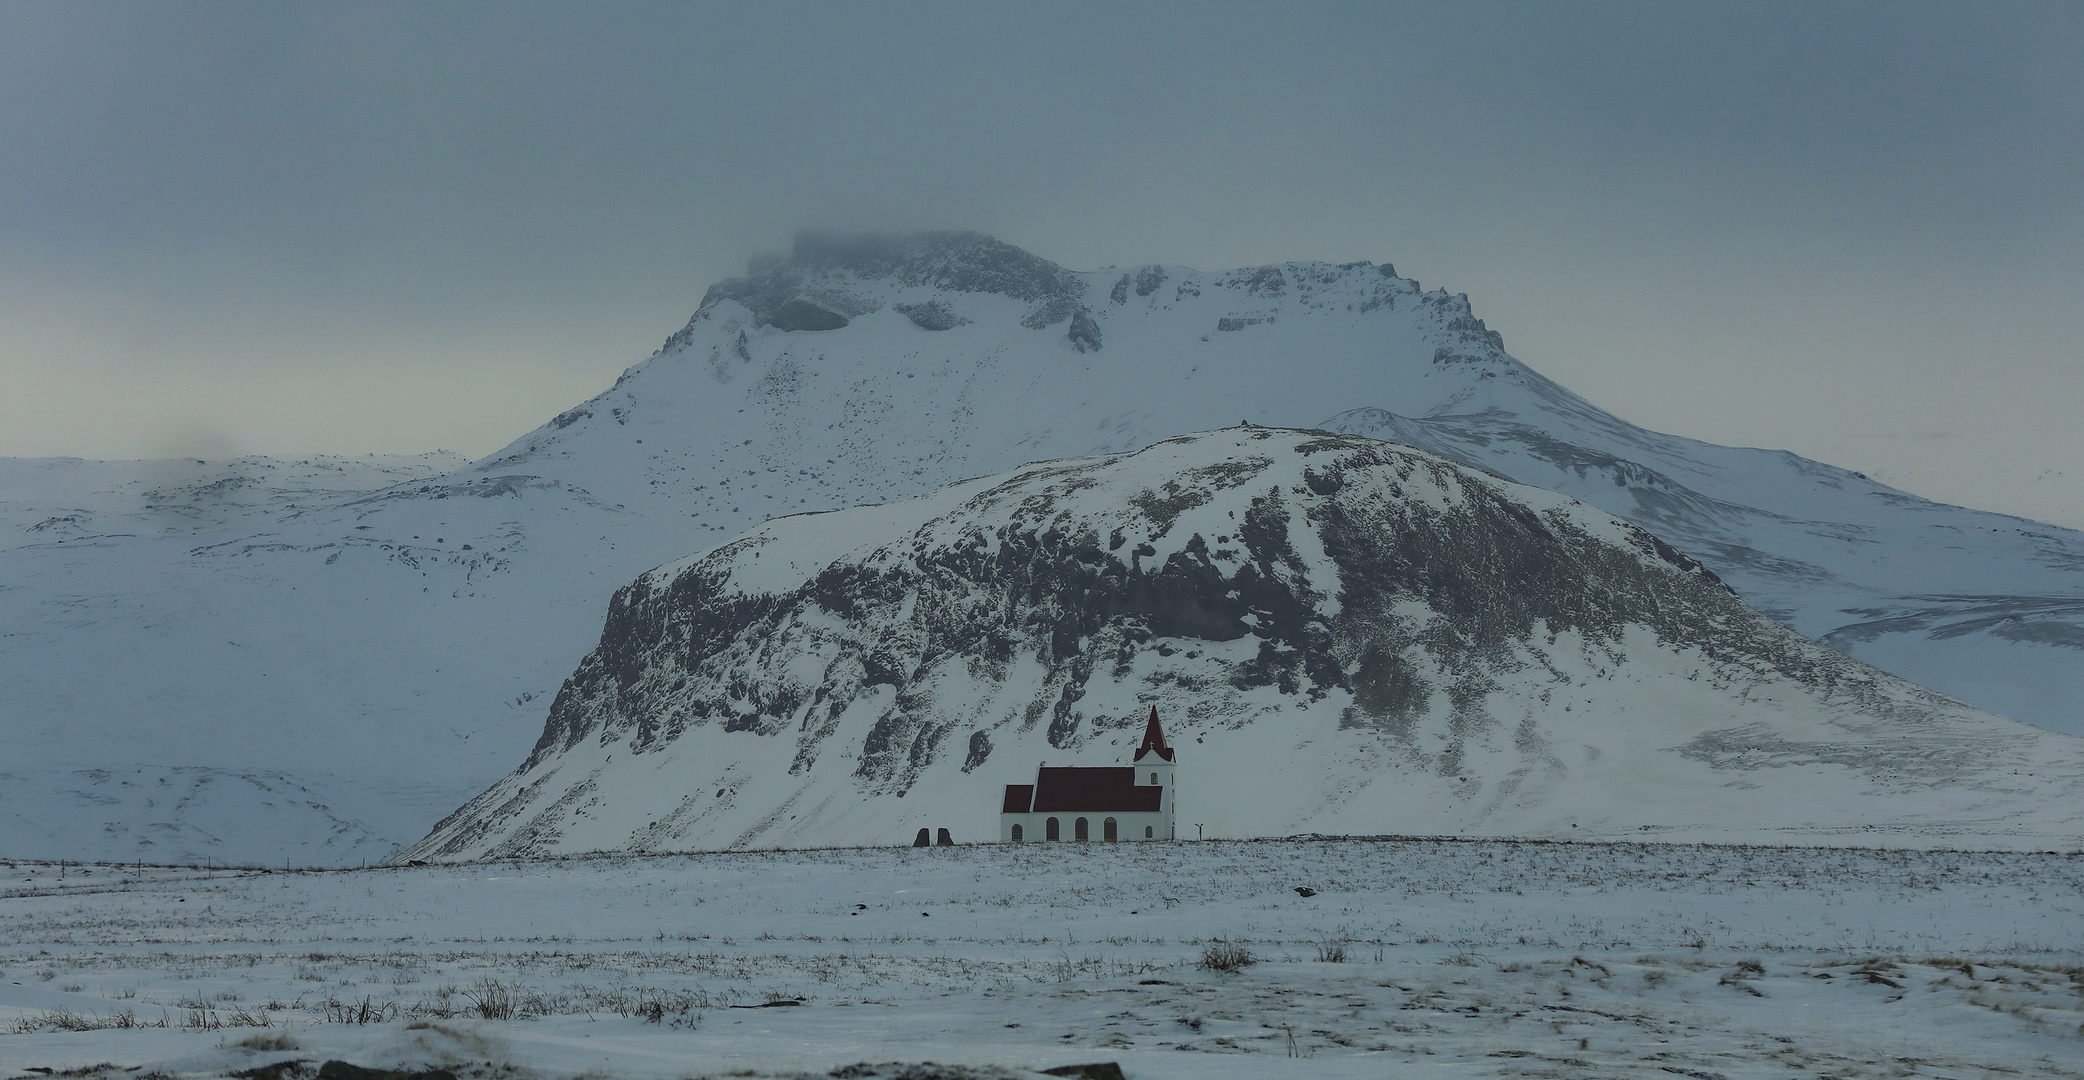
x=1850, y=230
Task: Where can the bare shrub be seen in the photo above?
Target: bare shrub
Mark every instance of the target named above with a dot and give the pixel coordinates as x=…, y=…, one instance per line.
x=491, y=1000
x=1331, y=952
x=203, y=1016
x=367, y=1011
x=1225, y=956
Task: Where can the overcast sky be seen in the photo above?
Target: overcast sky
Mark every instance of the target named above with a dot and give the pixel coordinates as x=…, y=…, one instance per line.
x=1850, y=230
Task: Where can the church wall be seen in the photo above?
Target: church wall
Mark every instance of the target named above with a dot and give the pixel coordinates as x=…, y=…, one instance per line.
x=1034, y=827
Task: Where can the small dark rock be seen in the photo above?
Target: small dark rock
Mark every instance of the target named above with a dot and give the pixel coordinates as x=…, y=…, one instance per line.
x=924, y=839
x=944, y=840
x=1305, y=890
x=1085, y=333
x=1100, y=1070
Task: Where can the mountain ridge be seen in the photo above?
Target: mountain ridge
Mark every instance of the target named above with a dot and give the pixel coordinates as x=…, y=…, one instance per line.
x=434, y=621
x=1442, y=649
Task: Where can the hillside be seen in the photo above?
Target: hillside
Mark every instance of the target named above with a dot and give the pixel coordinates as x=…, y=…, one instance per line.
x=1349, y=637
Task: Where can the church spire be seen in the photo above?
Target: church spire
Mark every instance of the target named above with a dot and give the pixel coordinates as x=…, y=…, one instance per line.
x=1153, y=739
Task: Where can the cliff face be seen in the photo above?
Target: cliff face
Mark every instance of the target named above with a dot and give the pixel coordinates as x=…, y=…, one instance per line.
x=1344, y=635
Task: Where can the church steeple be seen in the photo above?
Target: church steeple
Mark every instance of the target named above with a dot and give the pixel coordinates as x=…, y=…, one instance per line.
x=1153, y=740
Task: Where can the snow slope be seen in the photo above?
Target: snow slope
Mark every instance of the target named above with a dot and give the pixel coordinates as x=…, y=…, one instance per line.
x=348, y=639
x=1357, y=638
x=1582, y=961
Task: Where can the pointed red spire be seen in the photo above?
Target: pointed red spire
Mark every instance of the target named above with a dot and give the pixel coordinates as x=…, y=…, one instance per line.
x=1153, y=739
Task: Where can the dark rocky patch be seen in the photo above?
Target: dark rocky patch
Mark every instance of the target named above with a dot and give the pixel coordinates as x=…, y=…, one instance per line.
x=801, y=314
x=949, y=261
x=1084, y=333
x=931, y=315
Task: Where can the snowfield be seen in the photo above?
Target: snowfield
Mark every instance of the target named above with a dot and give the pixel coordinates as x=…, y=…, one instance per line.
x=1487, y=958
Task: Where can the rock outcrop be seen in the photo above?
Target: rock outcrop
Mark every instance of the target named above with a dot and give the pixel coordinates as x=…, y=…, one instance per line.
x=1345, y=636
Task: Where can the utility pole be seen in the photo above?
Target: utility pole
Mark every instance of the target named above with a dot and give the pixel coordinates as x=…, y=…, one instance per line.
x=1197, y=830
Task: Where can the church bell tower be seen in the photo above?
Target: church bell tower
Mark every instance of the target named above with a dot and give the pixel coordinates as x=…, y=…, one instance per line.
x=1154, y=768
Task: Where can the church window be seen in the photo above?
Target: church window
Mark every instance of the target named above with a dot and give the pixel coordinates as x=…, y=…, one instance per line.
x=1080, y=830
x=1052, y=830
x=1146, y=832
x=1109, y=832
x=1016, y=834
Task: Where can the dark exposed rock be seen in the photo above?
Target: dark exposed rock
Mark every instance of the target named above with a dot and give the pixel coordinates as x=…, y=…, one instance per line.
x=922, y=840
x=942, y=839
x=948, y=261
x=803, y=315
x=931, y=315
x=1085, y=333
x=1049, y=311
x=980, y=749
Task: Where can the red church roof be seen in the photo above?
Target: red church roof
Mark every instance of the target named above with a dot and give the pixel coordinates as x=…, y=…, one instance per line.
x=1098, y=791
x=1018, y=798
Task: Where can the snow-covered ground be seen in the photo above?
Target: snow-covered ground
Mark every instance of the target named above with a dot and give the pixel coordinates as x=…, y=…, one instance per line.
x=1464, y=958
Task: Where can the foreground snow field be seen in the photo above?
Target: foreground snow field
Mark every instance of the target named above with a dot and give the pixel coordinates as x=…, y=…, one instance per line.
x=1461, y=958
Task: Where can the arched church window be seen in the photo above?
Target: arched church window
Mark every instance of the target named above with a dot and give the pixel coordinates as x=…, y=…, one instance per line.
x=1016, y=834
x=1052, y=831
x=1146, y=832
x=1108, y=831
x=1080, y=831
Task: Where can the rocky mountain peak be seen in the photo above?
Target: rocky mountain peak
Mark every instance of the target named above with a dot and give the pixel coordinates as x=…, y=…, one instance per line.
x=820, y=285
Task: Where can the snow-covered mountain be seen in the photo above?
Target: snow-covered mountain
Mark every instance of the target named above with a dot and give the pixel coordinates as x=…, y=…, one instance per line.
x=1357, y=638
x=395, y=637
x=960, y=355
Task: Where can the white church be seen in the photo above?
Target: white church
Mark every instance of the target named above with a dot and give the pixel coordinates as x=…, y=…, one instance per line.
x=1133, y=802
